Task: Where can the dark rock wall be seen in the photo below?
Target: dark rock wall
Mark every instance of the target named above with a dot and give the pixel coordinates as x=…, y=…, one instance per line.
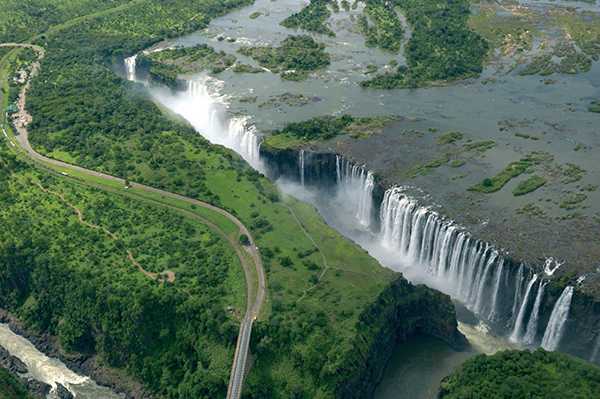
x=398, y=313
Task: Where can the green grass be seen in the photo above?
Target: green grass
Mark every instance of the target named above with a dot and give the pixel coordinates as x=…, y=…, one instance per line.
x=529, y=185
x=255, y=15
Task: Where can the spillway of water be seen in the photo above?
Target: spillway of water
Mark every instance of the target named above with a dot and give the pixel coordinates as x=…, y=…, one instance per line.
x=558, y=319
x=470, y=269
x=51, y=371
x=207, y=116
x=130, y=64
x=531, y=331
x=301, y=166
x=355, y=188
x=517, y=330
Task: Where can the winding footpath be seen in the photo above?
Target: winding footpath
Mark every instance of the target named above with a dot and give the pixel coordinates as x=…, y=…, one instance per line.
x=252, y=308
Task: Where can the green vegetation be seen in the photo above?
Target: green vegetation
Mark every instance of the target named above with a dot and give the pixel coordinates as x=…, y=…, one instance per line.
x=295, y=53
x=529, y=185
x=514, y=169
x=166, y=66
x=386, y=30
x=311, y=18
x=371, y=69
x=526, y=136
x=573, y=201
x=325, y=128
x=573, y=173
x=571, y=39
x=522, y=374
x=10, y=387
x=20, y=20
x=595, y=107
x=480, y=145
x=531, y=209
x=177, y=343
x=77, y=282
x=434, y=52
x=245, y=68
x=255, y=15
x=449, y=138
x=429, y=166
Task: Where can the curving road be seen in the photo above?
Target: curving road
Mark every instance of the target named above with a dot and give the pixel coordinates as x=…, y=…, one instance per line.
x=252, y=309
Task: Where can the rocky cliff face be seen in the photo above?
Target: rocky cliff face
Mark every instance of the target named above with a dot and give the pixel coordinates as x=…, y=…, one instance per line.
x=397, y=314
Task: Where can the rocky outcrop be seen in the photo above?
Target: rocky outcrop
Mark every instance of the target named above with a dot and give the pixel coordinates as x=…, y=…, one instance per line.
x=399, y=312
x=38, y=390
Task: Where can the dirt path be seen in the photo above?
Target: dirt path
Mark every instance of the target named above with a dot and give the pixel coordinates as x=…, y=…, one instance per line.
x=252, y=308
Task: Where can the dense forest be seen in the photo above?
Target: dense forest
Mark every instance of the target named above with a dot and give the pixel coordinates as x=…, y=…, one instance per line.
x=61, y=276
x=166, y=66
x=523, y=374
x=385, y=30
x=441, y=47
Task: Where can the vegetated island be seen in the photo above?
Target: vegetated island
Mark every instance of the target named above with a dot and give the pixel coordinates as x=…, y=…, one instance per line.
x=294, y=57
x=523, y=374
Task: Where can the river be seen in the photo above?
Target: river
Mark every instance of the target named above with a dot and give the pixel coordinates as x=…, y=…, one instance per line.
x=51, y=370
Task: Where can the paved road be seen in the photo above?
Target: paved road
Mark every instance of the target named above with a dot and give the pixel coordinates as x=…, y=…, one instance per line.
x=252, y=309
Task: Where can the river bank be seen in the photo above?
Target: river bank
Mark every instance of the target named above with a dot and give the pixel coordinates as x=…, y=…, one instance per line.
x=112, y=383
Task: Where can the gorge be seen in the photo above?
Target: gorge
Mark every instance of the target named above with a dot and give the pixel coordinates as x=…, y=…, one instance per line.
x=511, y=298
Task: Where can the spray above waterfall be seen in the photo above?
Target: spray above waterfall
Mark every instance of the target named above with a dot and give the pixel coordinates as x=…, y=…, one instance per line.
x=355, y=187
x=207, y=114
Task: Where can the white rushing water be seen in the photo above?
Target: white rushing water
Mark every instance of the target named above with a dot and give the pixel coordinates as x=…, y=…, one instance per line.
x=130, y=64
x=532, y=325
x=206, y=113
x=558, y=319
x=50, y=370
x=355, y=188
x=469, y=270
x=517, y=330
x=301, y=166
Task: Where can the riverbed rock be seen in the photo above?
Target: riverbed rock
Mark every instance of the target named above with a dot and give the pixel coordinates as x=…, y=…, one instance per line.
x=62, y=392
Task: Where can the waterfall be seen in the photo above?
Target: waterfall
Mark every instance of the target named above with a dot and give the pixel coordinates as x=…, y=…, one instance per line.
x=516, y=334
x=596, y=351
x=532, y=325
x=246, y=138
x=495, y=315
x=130, y=67
x=355, y=188
x=518, y=292
x=558, y=319
x=422, y=239
x=206, y=113
x=301, y=166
